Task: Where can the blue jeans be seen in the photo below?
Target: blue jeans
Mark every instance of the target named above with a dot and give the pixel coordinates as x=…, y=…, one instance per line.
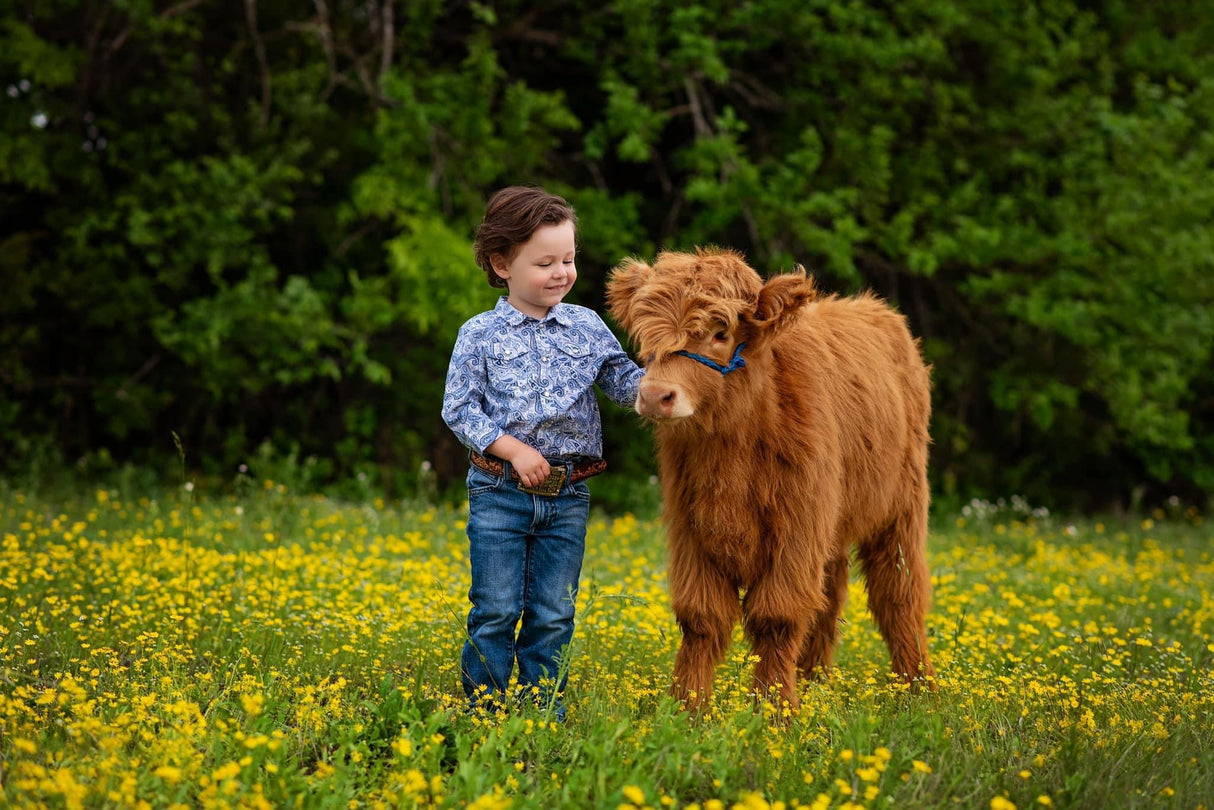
x=526, y=554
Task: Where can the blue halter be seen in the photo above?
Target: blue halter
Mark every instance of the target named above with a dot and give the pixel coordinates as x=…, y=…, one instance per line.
x=736, y=363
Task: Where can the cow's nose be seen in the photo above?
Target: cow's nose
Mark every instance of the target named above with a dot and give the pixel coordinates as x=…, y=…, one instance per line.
x=656, y=400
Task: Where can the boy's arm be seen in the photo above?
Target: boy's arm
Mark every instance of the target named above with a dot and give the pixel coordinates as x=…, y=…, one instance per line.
x=619, y=377
x=464, y=395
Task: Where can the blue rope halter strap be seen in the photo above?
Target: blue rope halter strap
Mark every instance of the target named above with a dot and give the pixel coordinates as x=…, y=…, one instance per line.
x=734, y=364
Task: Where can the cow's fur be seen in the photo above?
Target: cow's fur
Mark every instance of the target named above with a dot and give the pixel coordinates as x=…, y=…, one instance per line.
x=772, y=473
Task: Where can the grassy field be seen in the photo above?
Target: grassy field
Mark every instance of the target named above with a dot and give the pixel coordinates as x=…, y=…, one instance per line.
x=278, y=650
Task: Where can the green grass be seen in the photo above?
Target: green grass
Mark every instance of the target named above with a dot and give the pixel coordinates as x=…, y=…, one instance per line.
x=272, y=649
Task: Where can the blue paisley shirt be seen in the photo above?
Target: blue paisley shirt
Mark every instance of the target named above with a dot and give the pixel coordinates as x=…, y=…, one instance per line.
x=534, y=380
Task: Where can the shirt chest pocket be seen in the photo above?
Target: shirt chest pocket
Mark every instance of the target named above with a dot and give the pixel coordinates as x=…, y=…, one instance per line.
x=572, y=366
x=509, y=365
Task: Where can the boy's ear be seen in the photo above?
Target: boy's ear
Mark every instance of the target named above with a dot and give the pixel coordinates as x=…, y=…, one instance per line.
x=780, y=301
x=627, y=277
x=500, y=267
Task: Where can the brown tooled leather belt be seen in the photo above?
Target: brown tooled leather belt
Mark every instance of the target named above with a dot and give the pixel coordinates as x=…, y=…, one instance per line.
x=556, y=477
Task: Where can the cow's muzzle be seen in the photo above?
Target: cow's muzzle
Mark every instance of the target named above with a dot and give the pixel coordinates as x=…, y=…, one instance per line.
x=663, y=400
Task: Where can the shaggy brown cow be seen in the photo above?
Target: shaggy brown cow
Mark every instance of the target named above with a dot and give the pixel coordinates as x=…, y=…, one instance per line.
x=790, y=427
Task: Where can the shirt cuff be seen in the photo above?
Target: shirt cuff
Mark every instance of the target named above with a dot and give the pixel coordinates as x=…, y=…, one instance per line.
x=481, y=445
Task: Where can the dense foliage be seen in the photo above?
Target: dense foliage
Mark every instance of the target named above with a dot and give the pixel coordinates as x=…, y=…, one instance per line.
x=250, y=223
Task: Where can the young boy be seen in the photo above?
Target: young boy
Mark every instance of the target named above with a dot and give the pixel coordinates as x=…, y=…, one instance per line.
x=520, y=396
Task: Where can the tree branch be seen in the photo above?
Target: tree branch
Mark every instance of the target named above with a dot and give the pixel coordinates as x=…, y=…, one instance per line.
x=168, y=13
x=702, y=127
x=142, y=372
x=389, y=37
x=259, y=47
x=324, y=30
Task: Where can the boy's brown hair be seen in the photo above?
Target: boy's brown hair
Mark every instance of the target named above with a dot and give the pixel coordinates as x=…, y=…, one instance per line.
x=512, y=216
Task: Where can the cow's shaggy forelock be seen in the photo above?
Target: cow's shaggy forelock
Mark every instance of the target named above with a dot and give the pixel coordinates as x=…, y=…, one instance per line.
x=666, y=320
x=689, y=296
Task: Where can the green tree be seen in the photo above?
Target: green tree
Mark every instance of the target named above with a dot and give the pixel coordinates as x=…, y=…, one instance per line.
x=256, y=226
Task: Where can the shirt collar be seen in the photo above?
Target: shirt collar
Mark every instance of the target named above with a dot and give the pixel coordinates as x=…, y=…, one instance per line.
x=561, y=313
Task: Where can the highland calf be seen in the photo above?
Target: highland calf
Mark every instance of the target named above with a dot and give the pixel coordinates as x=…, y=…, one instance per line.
x=790, y=428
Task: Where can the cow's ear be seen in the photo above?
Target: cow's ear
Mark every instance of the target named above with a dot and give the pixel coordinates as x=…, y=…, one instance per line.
x=780, y=300
x=622, y=284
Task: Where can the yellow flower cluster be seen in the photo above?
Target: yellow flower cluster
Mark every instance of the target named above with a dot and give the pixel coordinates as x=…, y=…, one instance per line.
x=279, y=650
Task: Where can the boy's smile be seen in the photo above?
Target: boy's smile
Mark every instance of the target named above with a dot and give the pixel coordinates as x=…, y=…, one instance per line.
x=542, y=271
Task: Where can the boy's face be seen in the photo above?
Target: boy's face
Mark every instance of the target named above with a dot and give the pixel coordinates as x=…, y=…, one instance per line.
x=542, y=271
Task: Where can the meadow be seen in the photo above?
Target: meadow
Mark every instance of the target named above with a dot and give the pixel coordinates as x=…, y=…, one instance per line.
x=269, y=649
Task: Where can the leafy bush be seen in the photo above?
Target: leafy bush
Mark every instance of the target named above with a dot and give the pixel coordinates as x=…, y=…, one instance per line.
x=256, y=228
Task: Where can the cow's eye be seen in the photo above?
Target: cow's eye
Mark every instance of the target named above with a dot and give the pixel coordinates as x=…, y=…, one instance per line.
x=720, y=337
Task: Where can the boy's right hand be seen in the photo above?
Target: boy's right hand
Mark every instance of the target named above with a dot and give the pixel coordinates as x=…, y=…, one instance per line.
x=532, y=468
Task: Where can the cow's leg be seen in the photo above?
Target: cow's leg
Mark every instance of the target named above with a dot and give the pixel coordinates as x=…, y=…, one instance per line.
x=706, y=606
x=899, y=591
x=776, y=614
x=818, y=648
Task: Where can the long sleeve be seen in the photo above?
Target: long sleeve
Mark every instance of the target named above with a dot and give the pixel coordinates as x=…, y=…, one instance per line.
x=464, y=396
x=619, y=377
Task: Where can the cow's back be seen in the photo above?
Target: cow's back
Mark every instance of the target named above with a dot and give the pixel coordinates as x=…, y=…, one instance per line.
x=855, y=369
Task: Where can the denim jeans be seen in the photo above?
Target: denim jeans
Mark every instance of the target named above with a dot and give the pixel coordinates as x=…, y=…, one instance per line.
x=526, y=555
